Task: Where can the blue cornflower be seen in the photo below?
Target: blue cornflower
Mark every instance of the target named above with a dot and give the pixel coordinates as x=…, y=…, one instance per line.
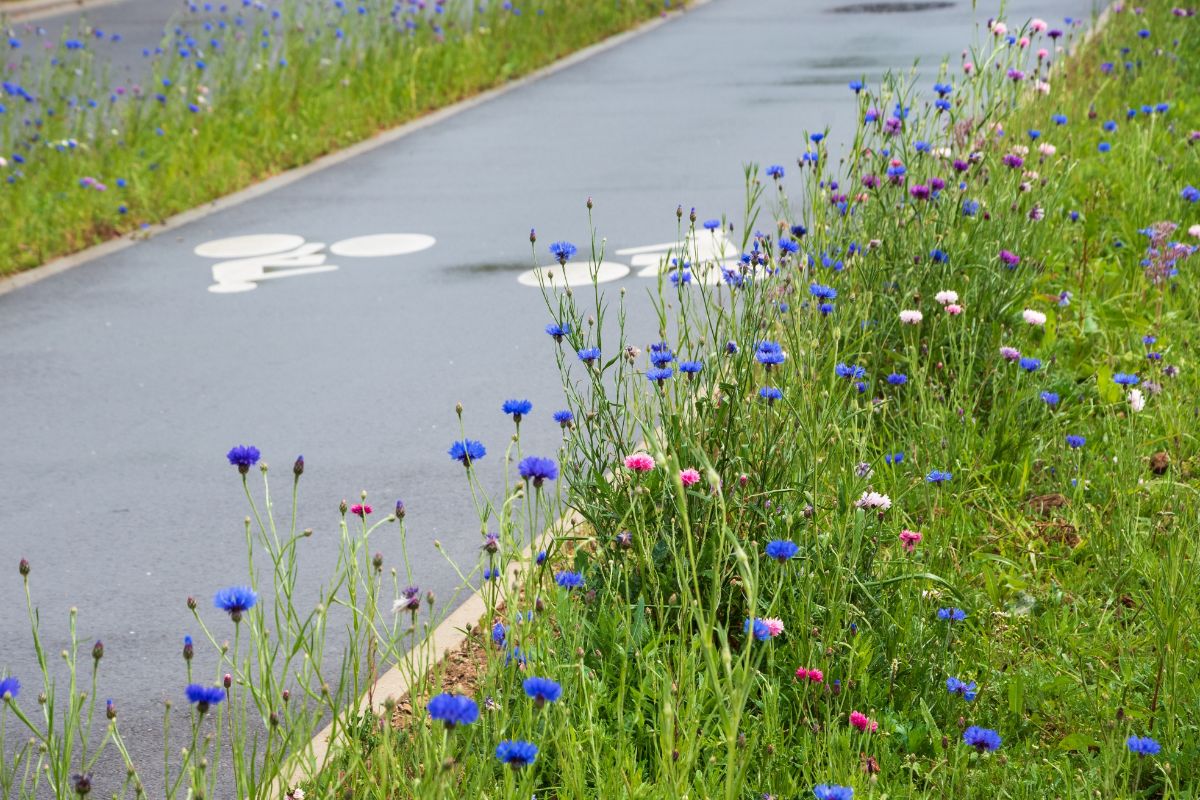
x=938, y=476
x=816, y=137
x=1074, y=441
x=467, y=450
x=897, y=379
x=542, y=690
x=690, y=368
x=1149, y=339
x=893, y=458
x=769, y=354
x=9, y=688
x=568, y=580
x=782, y=549
x=661, y=354
x=1049, y=398
x=770, y=394
x=453, y=709
x=564, y=417
x=499, y=634
x=235, y=600
x=540, y=558
x=981, y=738
x=1109, y=126
x=951, y=614
x=1034, y=133
x=712, y=224
x=966, y=690
x=826, y=309
x=788, y=246
x=939, y=256
x=563, y=251
x=942, y=89
x=659, y=374
x=491, y=573
x=856, y=86
x=1190, y=193
x=849, y=371
x=204, y=696
x=558, y=331
x=775, y=171
x=1104, y=147
x=827, y=791
x=1030, y=364
x=518, y=408
x=970, y=208
x=760, y=629
x=822, y=292
x=243, y=457
x=516, y=753
x=1125, y=379
x=538, y=469
x=681, y=277
x=1059, y=119
x=1143, y=745
x=589, y=354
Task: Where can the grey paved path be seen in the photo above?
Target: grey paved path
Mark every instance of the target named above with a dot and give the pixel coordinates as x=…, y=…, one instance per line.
x=123, y=382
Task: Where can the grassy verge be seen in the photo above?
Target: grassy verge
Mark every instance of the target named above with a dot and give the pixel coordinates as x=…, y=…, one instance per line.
x=250, y=92
x=904, y=505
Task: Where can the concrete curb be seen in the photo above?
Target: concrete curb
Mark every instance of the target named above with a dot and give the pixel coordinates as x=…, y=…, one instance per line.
x=22, y=279
x=26, y=10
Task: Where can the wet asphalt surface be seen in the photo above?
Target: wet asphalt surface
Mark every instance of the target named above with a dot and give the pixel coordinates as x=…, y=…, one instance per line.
x=124, y=381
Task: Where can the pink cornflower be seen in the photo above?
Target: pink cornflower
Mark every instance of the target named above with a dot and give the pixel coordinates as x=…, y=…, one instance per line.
x=1037, y=25
x=1194, y=231
x=909, y=539
x=360, y=510
x=946, y=296
x=1035, y=318
x=862, y=722
x=639, y=462
x=954, y=309
x=689, y=476
x=1043, y=54
x=814, y=675
x=911, y=317
x=874, y=500
x=1010, y=258
x=774, y=626
x=968, y=67
x=1010, y=353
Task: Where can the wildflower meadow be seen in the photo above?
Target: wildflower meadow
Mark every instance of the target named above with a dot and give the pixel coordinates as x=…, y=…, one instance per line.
x=900, y=503
x=241, y=90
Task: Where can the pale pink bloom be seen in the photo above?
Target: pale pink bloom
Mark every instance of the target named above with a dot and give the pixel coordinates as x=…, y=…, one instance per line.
x=874, y=500
x=999, y=28
x=954, y=309
x=910, y=539
x=1010, y=353
x=1034, y=317
x=1047, y=149
x=1137, y=400
x=1194, y=231
x=1043, y=54
x=774, y=626
x=1037, y=25
x=946, y=296
x=968, y=67
x=862, y=722
x=911, y=317
x=1023, y=42
x=1042, y=87
x=639, y=462
x=689, y=476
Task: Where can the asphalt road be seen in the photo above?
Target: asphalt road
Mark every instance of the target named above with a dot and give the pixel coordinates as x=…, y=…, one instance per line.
x=125, y=381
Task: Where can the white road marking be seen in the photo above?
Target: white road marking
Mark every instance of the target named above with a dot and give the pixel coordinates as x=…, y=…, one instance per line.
x=575, y=275
x=383, y=244
x=258, y=244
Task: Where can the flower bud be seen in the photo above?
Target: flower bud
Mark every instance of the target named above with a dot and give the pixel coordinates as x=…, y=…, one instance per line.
x=23, y=568
x=228, y=681
x=110, y=710
x=298, y=467
x=377, y=562
x=400, y=509
x=98, y=651
x=342, y=507
x=191, y=603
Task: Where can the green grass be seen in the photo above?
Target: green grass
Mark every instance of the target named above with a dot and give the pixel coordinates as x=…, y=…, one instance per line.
x=254, y=116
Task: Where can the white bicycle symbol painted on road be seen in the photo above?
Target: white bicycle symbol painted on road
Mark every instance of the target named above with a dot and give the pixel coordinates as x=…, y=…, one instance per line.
x=247, y=261
x=709, y=253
